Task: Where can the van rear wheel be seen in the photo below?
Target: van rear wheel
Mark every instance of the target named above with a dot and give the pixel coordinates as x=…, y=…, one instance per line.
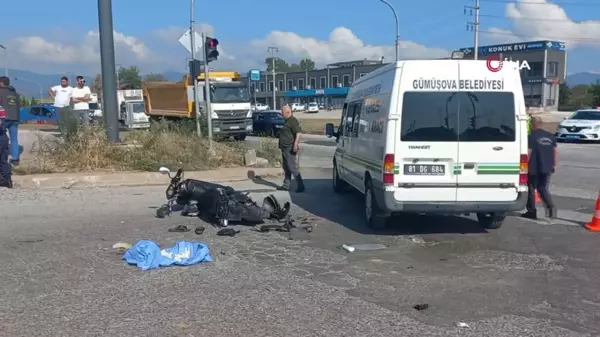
x=372, y=211
x=491, y=220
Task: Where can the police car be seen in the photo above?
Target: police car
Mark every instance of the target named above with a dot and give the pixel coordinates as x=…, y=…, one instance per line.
x=435, y=136
x=583, y=125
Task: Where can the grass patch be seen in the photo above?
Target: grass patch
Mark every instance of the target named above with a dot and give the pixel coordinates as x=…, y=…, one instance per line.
x=164, y=144
x=316, y=126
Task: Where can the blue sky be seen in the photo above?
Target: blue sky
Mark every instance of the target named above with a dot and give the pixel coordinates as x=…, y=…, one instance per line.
x=62, y=38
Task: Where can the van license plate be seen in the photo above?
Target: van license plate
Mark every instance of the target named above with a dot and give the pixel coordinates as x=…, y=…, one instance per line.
x=424, y=170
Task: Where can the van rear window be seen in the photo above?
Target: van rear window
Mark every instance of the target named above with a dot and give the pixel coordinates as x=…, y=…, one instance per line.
x=458, y=116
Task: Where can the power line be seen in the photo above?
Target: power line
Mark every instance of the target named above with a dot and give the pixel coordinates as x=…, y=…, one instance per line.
x=529, y=19
x=563, y=3
x=579, y=39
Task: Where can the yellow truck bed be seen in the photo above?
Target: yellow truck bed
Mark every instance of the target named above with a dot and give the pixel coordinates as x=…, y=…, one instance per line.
x=167, y=99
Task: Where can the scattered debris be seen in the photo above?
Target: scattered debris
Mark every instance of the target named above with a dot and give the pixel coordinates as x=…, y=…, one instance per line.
x=277, y=228
x=347, y=248
x=308, y=228
x=421, y=307
x=31, y=241
x=369, y=246
x=443, y=259
x=417, y=240
x=122, y=246
x=179, y=229
x=409, y=267
x=146, y=254
x=227, y=232
x=199, y=230
x=461, y=325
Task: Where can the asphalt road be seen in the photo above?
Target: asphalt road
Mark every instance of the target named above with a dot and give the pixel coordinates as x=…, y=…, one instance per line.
x=60, y=276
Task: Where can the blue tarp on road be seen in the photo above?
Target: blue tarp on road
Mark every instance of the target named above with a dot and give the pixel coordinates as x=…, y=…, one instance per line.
x=147, y=254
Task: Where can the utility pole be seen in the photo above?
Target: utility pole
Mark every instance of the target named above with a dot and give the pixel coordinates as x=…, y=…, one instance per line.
x=5, y=60
x=195, y=82
x=107, y=59
x=207, y=100
x=474, y=26
x=397, y=28
x=273, y=50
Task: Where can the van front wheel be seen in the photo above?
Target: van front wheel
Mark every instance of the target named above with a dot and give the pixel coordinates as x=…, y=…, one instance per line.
x=490, y=220
x=339, y=185
x=372, y=211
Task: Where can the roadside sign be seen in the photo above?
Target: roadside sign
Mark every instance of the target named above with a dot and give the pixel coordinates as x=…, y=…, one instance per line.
x=254, y=75
x=184, y=40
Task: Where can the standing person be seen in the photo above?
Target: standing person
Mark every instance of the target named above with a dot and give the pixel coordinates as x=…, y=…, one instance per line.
x=62, y=101
x=11, y=101
x=80, y=97
x=542, y=164
x=5, y=167
x=289, y=140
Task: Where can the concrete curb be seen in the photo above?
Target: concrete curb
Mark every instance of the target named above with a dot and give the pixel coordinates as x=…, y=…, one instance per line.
x=79, y=180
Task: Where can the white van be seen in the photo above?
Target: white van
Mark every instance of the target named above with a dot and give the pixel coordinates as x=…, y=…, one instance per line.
x=435, y=136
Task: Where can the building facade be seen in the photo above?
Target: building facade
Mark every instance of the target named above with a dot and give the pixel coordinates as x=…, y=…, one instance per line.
x=328, y=86
x=546, y=68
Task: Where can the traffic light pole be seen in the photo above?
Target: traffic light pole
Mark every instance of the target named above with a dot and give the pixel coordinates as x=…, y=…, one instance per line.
x=195, y=82
x=207, y=100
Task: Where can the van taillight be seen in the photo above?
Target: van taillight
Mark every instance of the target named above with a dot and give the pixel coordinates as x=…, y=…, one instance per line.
x=388, y=169
x=523, y=169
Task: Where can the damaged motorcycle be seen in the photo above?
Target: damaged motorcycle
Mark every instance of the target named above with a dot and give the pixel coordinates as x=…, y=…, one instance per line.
x=215, y=203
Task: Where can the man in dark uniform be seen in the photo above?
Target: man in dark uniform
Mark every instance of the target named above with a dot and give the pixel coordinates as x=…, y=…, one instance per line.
x=289, y=140
x=11, y=101
x=5, y=167
x=542, y=164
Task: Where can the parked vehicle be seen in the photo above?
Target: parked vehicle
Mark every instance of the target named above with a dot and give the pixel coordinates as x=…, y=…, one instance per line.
x=298, y=107
x=260, y=107
x=583, y=125
x=38, y=114
x=313, y=107
x=267, y=122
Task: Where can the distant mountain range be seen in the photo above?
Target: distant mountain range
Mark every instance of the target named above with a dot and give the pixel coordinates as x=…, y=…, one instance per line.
x=33, y=84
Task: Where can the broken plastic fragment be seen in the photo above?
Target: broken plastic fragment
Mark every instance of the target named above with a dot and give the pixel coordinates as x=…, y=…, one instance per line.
x=461, y=325
x=347, y=248
x=122, y=245
x=369, y=246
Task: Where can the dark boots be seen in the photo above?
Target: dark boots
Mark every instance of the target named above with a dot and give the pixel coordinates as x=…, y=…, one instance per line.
x=299, y=182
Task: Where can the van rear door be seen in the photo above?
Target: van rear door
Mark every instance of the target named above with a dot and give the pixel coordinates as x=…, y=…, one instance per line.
x=488, y=147
x=427, y=149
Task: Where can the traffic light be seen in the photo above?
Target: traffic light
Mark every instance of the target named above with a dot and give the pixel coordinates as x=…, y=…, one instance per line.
x=195, y=67
x=472, y=122
x=210, y=48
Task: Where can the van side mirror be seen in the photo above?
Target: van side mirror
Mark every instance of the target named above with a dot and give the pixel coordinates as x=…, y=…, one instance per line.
x=330, y=130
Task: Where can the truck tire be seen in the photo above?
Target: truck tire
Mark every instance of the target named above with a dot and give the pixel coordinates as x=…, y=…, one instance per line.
x=240, y=138
x=373, y=212
x=491, y=220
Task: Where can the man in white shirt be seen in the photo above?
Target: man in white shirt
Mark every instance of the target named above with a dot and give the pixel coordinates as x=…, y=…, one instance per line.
x=80, y=98
x=62, y=101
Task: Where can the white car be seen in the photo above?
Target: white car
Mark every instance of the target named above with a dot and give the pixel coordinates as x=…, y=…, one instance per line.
x=583, y=125
x=260, y=107
x=313, y=107
x=298, y=107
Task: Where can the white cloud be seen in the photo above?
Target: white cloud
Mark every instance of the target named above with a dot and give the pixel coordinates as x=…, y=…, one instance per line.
x=36, y=48
x=342, y=45
x=541, y=20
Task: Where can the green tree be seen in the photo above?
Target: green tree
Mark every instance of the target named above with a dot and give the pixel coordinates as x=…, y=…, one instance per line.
x=129, y=78
x=154, y=77
x=281, y=66
x=307, y=64
x=595, y=94
x=97, y=84
x=24, y=101
x=564, y=97
x=33, y=101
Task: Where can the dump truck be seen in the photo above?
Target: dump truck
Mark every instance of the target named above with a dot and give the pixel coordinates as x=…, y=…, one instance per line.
x=229, y=102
